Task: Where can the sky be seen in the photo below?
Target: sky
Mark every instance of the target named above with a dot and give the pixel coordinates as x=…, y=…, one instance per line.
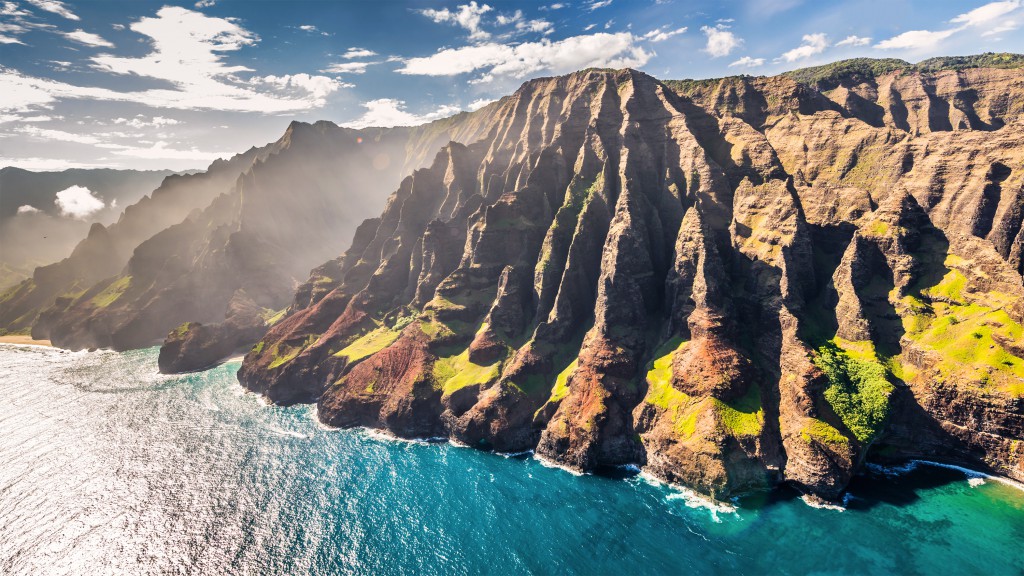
x=153, y=85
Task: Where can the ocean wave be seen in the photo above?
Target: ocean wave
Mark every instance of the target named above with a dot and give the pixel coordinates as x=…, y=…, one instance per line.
x=383, y=435
x=523, y=454
x=823, y=505
x=974, y=477
x=690, y=497
x=548, y=463
x=284, y=432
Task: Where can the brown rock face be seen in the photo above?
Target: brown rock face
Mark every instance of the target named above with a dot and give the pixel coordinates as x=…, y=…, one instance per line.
x=731, y=285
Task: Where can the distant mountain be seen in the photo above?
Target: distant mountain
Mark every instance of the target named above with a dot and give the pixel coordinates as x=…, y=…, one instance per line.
x=730, y=283
x=230, y=244
x=106, y=249
x=36, y=230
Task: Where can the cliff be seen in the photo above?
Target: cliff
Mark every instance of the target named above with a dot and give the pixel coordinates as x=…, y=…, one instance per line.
x=730, y=283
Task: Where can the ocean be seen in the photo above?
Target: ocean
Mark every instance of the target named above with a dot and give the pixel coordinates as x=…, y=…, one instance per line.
x=107, y=467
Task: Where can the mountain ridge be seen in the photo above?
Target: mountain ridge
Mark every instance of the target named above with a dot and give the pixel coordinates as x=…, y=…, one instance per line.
x=631, y=231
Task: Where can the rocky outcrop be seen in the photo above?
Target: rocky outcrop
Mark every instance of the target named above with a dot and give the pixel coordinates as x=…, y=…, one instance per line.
x=194, y=346
x=730, y=283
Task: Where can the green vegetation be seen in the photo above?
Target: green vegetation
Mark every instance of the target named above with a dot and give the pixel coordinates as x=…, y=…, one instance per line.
x=821, y=431
x=690, y=87
x=859, y=387
x=111, y=293
x=180, y=331
x=258, y=347
x=271, y=317
x=662, y=394
x=370, y=343
x=968, y=330
x=856, y=70
x=283, y=353
x=453, y=373
x=659, y=376
x=986, y=60
x=743, y=417
x=561, y=388
x=435, y=329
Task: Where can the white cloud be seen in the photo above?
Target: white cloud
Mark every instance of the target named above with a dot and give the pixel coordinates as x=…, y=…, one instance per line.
x=990, y=19
x=141, y=122
x=205, y=3
x=721, y=42
x=598, y=4
x=10, y=40
x=318, y=87
x=387, y=112
x=916, y=39
x=662, y=34
x=604, y=50
x=78, y=202
x=478, y=104
x=506, y=19
x=87, y=38
x=160, y=151
x=556, y=6
x=589, y=27
x=854, y=40
x=747, y=62
x=987, y=15
x=466, y=15
x=58, y=135
x=1006, y=26
x=56, y=7
x=187, y=51
x=358, y=53
x=28, y=209
x=12, y=9
x=347, y=68
x=812, y=44
x=542, y=26
x=312, y=28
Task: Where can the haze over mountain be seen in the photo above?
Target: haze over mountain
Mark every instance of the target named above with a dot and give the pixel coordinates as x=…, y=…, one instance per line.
x=44, y=214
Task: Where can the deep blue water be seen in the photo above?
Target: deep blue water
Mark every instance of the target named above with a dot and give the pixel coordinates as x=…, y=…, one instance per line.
x=107, y=467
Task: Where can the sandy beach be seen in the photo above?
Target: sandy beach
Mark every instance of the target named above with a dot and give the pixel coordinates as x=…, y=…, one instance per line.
x=22, y=339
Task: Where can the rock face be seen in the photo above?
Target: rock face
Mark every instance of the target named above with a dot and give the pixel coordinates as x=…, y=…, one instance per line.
x=730, y=283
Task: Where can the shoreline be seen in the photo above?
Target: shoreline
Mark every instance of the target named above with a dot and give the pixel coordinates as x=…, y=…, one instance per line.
x=24, y=340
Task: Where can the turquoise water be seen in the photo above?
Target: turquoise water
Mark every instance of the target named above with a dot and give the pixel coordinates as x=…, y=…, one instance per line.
x=107, y=467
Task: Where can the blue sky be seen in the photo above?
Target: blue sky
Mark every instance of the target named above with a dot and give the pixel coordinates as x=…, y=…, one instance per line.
x=176, y=84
